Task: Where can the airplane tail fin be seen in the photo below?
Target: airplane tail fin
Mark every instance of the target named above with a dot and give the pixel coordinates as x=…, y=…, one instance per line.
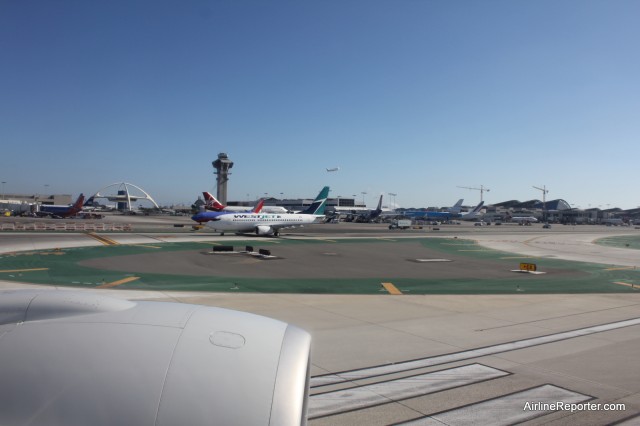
x=258, y=207
x=318, y=205
x=77, y=206
x=211, y=202
x=457, y=206
x=379, y=209
x=478, y=207
x=89, y=202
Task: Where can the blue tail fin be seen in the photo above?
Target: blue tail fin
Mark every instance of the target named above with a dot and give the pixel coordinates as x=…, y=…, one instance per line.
x=318, y=205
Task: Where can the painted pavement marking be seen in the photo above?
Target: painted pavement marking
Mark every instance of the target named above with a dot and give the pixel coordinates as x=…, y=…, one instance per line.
x=632, y=285
x=331, y=403
x=381, y=370
x=104, y=240
x=392, y=289
x=119, y=282
x=23, y=270
x=505, y=410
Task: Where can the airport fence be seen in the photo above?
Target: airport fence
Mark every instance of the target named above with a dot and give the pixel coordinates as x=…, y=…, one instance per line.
x=69, y=226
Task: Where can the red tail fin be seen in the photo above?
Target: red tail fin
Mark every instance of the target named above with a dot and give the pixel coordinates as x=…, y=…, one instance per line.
x=258, y=206
x=211, y=203
x=77, y=206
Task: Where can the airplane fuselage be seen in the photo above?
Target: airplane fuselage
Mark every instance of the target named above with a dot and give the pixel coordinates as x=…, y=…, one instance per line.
x=260, y=223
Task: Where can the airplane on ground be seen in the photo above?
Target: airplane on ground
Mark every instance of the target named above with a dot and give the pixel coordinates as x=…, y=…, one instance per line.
x=452, y=213
x=79, y=358
x=371, y=214
x=523, y=219
x=473, y=214
x=269, y=223
x=60, y=211
x=211, y=203
x=206, y=216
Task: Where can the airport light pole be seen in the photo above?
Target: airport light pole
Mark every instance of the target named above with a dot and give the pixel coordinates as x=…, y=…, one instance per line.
x=363, y=194
x=3, y=189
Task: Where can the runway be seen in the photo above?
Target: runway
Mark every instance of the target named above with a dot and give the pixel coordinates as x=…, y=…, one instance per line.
x=448, y=359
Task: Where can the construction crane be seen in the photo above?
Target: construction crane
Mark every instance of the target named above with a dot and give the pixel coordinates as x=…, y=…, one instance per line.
x=482, y=189
x=544, y=199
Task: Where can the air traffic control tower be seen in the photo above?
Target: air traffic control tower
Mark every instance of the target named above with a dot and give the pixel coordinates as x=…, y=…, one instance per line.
x=222, y=166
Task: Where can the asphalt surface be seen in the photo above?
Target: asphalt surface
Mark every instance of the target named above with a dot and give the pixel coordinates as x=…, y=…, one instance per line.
x=441, y=359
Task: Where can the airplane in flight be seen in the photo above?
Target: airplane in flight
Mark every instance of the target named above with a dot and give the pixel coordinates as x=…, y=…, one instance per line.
x=333, y=169
x=59, y=211
x=212, y=203
x=270, y=223
x=84, y=358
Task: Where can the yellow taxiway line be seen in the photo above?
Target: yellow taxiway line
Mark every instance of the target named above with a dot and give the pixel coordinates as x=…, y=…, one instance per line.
x=633, y=286
x=104, y=240
x=119, y=282
x=392, y=289
x=23, y=270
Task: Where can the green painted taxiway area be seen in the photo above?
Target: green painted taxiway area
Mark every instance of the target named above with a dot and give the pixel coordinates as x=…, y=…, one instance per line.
x=349, y=266
x=624, y=241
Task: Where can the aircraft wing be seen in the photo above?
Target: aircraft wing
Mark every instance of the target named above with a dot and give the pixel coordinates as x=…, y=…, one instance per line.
x=79, y=358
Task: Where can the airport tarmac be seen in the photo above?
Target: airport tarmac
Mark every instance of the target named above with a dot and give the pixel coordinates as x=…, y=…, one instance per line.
x=446, y=359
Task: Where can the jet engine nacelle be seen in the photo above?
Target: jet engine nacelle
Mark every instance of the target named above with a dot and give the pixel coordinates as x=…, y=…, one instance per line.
x=264, y=230
x=79, y=358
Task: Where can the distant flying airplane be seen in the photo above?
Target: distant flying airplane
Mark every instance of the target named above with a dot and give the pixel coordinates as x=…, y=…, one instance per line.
x=60, y=211
x=80, y=358
x=268, y=223
x=333, y=169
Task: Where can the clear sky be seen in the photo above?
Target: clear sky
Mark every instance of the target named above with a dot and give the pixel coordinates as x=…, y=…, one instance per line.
x=413, y=97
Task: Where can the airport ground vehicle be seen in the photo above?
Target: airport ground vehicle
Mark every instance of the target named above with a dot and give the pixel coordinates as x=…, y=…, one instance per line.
x=400, y=224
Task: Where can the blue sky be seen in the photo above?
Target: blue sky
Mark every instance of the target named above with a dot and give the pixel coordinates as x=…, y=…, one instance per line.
x=413, y=97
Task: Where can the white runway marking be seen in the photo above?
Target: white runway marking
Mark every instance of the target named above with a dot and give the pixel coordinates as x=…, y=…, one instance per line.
x=465, y=355
x=340, y=401
x=506, y=410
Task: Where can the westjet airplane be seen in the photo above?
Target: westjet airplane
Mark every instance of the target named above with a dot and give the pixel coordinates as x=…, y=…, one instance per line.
x=269, y=223
x=60, y=211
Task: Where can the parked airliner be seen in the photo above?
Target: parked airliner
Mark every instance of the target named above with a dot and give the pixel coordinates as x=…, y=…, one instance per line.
x=473, y=214
x=60, y=211
x=450, y=214
x=211, y=203
x=371, y=214
x=524, y=219
x=267, y=223
x=206, y=216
